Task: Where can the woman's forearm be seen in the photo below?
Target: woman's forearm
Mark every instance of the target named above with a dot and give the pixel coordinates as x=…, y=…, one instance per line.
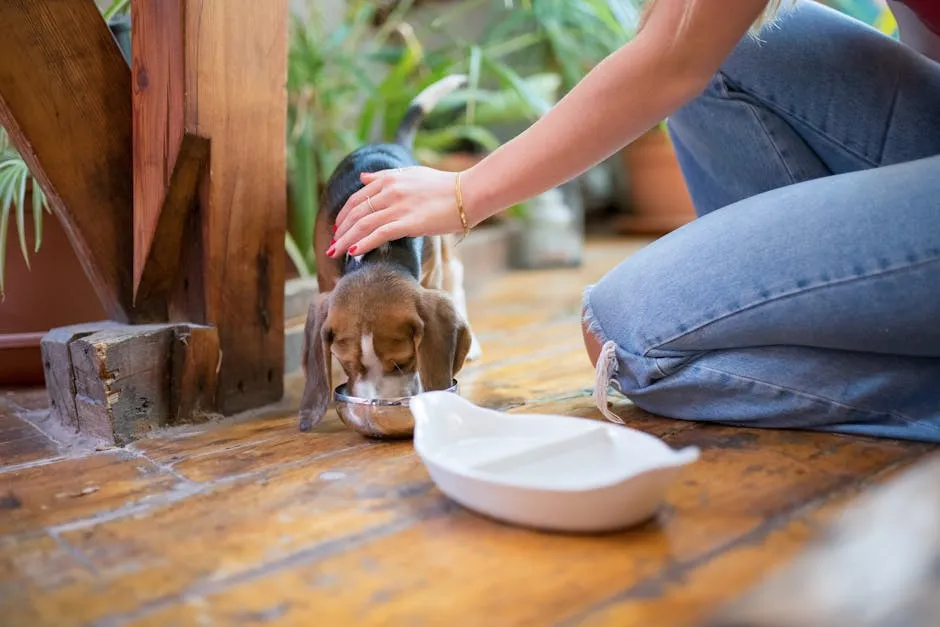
x=614, y=104
x=621, y=98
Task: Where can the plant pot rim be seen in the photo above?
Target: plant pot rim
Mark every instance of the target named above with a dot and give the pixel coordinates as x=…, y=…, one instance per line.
x=20, y=340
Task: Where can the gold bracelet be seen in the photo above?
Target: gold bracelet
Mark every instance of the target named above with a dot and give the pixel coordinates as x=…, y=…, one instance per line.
x=460, y=209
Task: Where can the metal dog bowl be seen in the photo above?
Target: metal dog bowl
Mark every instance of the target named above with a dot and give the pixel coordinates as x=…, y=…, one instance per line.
x=377, y=418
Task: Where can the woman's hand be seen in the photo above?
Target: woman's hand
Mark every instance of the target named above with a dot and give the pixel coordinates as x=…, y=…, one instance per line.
x=413, y=201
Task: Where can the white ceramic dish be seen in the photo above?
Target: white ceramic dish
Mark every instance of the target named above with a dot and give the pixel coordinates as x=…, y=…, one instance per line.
x=549, y=472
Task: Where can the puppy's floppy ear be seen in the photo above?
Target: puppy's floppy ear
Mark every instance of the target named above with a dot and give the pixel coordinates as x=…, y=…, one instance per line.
x=441, y=342
x=317, y=362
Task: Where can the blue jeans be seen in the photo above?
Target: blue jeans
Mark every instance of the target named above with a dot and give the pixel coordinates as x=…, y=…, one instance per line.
x=807, y=292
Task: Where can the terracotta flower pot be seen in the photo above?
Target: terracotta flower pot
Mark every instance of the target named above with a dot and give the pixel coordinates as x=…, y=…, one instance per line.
x=657, y=196
x=54, y=293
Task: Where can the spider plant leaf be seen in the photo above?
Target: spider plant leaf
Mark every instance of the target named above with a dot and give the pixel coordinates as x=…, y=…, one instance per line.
x=506, y=47
x=296, y=256
x=441, y=140
x=117, y=6
x=473, y=80
x=39, y=201
x=457, y=11
x=5, y=196
x=505, y=106
x=507, y=75
x=19, y=200
x=508, y=22
x=7, y=184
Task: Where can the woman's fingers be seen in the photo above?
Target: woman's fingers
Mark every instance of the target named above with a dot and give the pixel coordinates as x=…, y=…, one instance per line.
x=361, y=229
x=373, y=186
x=381, y=235
x=370, y=205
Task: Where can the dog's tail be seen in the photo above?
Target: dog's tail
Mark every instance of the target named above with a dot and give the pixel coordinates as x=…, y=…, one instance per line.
x=423, y=104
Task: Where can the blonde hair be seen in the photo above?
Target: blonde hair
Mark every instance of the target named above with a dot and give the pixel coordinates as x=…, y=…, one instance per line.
x=767, y=16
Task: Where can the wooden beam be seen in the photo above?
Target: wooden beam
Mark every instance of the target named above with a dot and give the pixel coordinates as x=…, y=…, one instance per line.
x=64, y=101
x=231, y=59
x=158, y=74
x=164, y=261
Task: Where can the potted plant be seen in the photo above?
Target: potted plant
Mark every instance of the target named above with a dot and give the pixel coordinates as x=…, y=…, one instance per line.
x=656, y=197
x=39, y=291
x=44, y=286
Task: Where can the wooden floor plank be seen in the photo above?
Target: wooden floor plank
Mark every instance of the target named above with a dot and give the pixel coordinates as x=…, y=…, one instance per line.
x=247, y=521
x=540, y=574
x=21, y=442
x=77, y=489
x=257, y=525
x=685, y=594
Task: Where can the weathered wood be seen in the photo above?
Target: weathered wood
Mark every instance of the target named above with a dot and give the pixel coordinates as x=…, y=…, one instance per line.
x=231, y=58
x=194, y=374
x=64, y=101
x=162, y=268
x=244, y=112
x=78, y=488
x=875, y=565
x=117, y=383
x=121, y=381
x=20, y=442
x=157, y=96
x=57, y=366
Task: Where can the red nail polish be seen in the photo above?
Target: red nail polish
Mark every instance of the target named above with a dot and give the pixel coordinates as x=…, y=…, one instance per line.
x=333, y=241
x=330, y=251
x=335, y=228
x=352, y=250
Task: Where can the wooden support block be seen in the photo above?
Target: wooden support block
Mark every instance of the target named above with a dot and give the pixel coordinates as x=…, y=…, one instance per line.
x=163, y=263
x=118, y=383
x=57, y=365
x=64, y=100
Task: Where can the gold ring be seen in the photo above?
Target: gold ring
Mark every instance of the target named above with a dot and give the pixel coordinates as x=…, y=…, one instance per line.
x=369, y=201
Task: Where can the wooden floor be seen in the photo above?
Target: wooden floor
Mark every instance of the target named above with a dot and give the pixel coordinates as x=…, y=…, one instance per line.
x=248, y=522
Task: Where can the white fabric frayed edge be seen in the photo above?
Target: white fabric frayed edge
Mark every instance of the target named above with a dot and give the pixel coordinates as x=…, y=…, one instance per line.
x=604, y=373
x=607, y=365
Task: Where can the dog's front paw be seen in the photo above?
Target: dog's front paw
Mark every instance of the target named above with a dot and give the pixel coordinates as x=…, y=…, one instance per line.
x=476, y=350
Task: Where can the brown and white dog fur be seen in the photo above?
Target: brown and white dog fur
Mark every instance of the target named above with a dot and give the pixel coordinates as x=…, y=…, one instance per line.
x=396, y=317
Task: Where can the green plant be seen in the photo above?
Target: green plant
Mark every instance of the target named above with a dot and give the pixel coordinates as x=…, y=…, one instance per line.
x=17, y=184
x=352, y=85
x=567, y=37
x=15, y=181
x=116, y=6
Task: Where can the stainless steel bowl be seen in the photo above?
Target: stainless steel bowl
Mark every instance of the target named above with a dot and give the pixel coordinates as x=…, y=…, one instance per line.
x=377, y=418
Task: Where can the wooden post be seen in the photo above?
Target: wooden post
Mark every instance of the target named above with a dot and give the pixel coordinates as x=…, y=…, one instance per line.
x=64, y=102
x=204, y=127
x=218, y=69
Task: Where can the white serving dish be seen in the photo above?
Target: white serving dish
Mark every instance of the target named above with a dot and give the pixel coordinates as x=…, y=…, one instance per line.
x=548, y=472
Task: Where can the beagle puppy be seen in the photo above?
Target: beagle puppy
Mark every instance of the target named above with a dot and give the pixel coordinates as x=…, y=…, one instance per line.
x=395, y=318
